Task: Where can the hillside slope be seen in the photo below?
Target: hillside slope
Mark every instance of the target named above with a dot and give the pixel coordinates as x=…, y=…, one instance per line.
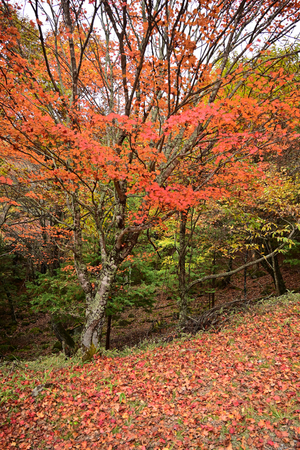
x=235, y=389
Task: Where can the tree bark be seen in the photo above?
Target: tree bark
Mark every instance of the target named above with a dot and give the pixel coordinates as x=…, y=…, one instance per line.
x=107, y=342
x=273, y=269
x=96, y=306
x=277, y=276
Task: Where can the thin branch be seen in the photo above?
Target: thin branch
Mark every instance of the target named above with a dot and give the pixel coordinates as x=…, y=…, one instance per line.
x=232, y=272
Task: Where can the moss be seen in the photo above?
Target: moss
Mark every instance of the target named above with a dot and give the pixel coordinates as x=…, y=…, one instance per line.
x=4, y=348
x=57, y=347
x=89, y=354
x=35, y=331
x=9, y=327
x=124, y=323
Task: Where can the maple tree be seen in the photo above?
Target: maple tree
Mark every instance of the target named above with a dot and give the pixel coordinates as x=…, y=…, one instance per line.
x=123, y=114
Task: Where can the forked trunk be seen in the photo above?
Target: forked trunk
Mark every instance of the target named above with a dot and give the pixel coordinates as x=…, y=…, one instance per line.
x=95, y=312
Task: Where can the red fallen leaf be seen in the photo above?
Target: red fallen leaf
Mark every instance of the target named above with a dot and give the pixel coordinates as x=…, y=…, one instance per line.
x=273, y=444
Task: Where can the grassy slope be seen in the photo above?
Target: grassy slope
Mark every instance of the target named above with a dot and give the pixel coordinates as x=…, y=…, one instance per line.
x=235, y=389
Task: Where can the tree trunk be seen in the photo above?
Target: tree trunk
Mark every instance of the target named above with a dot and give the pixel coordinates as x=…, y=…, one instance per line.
x=245, y=274
x=278, y=278
x=213, y=282
x=11, y=307
x=227, y=280
x=96, y=306
x=274, y=270
x=107, y=342
x=183, y=302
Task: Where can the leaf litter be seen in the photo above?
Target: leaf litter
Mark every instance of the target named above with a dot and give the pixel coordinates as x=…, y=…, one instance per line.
x=234, y=389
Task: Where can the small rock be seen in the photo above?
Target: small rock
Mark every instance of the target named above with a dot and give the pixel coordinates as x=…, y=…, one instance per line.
x=38, y=389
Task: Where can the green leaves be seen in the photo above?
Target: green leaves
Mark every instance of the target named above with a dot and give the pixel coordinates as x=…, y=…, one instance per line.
x=59, y=293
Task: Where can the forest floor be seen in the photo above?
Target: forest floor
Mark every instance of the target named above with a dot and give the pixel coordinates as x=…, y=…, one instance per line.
x=235, y=389
x=32, y=336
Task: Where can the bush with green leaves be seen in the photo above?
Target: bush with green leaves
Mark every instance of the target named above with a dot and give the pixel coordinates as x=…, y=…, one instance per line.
x=57, y=294
x=140, y=281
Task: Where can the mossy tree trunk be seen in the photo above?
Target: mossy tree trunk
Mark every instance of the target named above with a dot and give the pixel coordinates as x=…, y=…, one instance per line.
x=96, y=306
x=114, y=248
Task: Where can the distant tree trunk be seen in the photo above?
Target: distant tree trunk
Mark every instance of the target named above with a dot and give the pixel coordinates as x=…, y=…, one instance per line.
x=62, y=335
x=43, y=268
x=273, y=268
x=107, y=342
x=30, y=270
x=11, y=306
x=54, y=249
x=212, y=294
x=183, y=302
x=245, y=274
x=227, y=280
x=44, y=265
x=277, y=276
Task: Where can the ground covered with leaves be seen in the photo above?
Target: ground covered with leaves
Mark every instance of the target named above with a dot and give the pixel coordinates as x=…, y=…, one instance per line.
x=238, y=388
